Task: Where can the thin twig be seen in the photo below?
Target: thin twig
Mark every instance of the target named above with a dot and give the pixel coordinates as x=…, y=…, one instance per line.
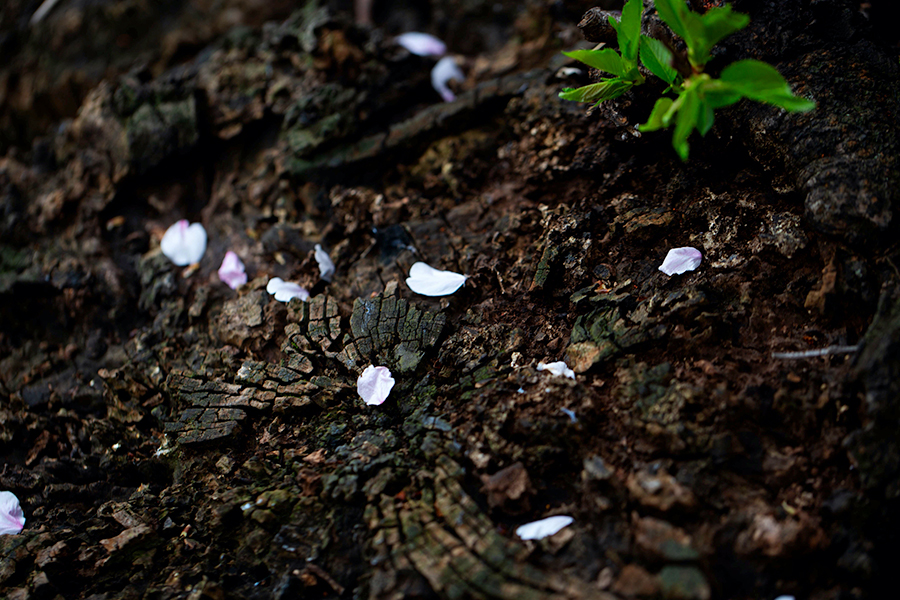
x=817, y=353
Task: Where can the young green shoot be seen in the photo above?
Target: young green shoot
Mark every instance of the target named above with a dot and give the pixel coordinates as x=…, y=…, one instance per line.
x=697, y=94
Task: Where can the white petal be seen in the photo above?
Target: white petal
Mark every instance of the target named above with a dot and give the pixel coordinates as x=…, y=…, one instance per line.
x=374, y=385
x=326, y=266
x=285, y=291
x=289, y=291
x=232, y=271
x=680, y=260
x=421, y=44
x=445, y=70
x=558, y=368
x=12, y=519
x=538, y=530
x=184, y=244
x=569, y=72
x=429, y=281
x=42, y=11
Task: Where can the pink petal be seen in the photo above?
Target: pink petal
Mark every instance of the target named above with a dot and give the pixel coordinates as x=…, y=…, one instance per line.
x=285, y=291
x=374, y=385
x=681, y=260
x=12, y=519
x=184, y=244
x=232, y=271
x=444, y=71
x=421, y=44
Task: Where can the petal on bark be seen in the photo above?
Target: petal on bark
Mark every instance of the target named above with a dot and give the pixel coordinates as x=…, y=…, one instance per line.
x=232, y=271
x=285, y=291
x=538, y=530
x=12, y=519
x=184, y=244
x=444, y=71
x=326, y=265
x=681, y=260
x=558, y=368
x=374, y=385
x=421, y=44
x=429, y=281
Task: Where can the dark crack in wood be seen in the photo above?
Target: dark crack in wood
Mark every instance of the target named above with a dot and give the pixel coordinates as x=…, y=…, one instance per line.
x=317, y=327
x=390, y=331
x=217, y=408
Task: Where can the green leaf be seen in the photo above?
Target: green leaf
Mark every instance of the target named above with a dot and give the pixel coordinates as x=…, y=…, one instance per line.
x=720, y=22
x=658, y=116
x=760, y=81
x=719, y=94
x=712, y=27
x=704, y=117
x=607, y=60
x=673, y=12
x=700, y=32
x=597, y=92
x=688, y=117
x=658, y=59
x=629, y=29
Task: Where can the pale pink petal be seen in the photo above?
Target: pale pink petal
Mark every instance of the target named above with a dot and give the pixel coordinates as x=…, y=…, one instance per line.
x=326, y=266
x=681, y=260
x=428, y=281
x=538, y=530
x=232, y=271
x=421, y=44
x=12, y=519
x=184, y=244
x=374, y=385
x=444, y=71
x=285, y=291
x=558, y=368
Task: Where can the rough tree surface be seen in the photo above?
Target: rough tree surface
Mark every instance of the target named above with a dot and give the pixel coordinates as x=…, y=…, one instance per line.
x=169, y=437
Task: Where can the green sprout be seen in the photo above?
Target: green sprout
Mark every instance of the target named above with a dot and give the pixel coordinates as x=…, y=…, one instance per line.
x=698, y=94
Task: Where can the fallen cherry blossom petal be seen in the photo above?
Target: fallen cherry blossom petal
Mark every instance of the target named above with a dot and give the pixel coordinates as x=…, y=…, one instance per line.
x=558, y=368
x=569, y=72
x=421, y=44
x=680, y=260
x=444, y=71
x=374, y=385
x=285, y=291
x=429, y=281
x=538, y=530
x=184, y=244
x=12, y=519
x=326, y=265
x=232, y=271
x=42, y=11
